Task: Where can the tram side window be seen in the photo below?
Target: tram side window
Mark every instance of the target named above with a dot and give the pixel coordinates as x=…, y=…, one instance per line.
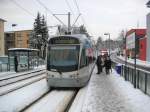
x=83, y=59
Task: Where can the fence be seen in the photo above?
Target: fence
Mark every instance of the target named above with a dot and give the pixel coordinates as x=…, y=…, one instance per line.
x=3, y=63
x=139, y=79
x=22, y=65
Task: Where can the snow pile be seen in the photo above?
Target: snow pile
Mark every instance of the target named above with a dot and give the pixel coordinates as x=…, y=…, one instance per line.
x=110, y=93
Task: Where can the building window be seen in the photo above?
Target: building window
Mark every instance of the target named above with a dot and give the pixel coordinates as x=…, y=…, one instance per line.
x=27, y=34
x=18, y=34
x=27, y=41
x=141, y=46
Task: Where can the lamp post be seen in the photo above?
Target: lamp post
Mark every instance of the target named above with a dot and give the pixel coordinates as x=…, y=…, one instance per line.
x=135, y=56
x=108, y=40
x=125, y=72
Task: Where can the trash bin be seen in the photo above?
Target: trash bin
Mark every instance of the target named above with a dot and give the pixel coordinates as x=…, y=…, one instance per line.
x=118, y=68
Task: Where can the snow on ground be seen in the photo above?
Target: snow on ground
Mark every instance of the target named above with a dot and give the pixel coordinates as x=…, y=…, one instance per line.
x=78, y=101
x=17, y=100
x=55, y=101
x=11, y=73
x=22, y=77
x=104, y=93
x=14, y=86
x=110, y=93
x=3, y=74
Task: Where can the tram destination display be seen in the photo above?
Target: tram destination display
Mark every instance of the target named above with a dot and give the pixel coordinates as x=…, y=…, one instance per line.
x=64, y=40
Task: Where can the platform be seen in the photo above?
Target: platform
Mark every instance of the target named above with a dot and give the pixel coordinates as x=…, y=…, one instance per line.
x=111, y=93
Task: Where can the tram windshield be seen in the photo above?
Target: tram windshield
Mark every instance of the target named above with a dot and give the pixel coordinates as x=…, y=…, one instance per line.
x=63, y=58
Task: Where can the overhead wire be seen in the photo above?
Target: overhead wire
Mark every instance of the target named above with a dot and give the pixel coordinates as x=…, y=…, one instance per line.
x=17, y=4
x=79, y=12
x=75, y=2
x=42, y=4
x=69, y=7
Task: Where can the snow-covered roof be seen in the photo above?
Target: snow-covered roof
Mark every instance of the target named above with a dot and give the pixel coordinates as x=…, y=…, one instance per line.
x=9, y=32
x=2, y=20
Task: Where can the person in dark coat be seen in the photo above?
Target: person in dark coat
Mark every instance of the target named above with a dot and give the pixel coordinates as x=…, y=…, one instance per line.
x=99, y=64
x=16, y=63
x=107, y=65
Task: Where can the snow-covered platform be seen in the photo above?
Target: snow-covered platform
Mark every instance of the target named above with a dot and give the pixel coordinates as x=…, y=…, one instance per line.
x=111, y=93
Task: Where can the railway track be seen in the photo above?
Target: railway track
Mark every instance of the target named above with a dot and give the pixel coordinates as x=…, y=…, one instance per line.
x=16, y=78
x=12, y=83
x=12, y=75
x=47, y=99
x=60, y=101
x=21, y=98
x=54, y=101
x=20, y=84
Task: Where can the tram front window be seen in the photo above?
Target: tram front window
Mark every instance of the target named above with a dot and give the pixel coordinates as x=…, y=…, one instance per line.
x=63, y=58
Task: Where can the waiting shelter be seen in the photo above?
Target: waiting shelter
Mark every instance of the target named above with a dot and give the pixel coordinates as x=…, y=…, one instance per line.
x=22, y=58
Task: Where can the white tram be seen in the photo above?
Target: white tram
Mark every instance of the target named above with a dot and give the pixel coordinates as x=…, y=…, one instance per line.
x=70, y=61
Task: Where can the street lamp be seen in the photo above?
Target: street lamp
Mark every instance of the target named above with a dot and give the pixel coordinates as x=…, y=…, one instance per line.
x=109, y=41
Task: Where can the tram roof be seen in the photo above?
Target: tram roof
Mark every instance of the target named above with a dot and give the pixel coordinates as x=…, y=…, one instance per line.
x=22, y=49
x=81, y=37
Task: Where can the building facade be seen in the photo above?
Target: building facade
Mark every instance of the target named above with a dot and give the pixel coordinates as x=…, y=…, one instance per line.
x=2, y=42
x=134, y=43
x=17, y=39
x=22, y=38
x=9, y=41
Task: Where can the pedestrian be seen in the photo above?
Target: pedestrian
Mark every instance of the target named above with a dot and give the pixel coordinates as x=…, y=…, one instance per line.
x=99, y=64
x=16, y=63
x=107, y=65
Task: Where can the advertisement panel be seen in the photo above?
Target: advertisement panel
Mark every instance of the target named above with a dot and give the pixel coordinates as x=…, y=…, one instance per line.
x=130, y=41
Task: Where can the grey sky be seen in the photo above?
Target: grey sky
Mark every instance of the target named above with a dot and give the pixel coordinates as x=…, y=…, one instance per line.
x=100, y=15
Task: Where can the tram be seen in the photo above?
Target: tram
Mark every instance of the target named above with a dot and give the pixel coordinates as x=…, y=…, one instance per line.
x=70, y=60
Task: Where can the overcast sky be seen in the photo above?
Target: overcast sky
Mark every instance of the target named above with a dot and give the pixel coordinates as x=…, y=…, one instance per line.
x=99, y=16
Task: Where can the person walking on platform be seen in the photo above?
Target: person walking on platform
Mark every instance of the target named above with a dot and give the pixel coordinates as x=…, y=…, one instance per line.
x=99, y=64
x=107, y=65
x=16, y=63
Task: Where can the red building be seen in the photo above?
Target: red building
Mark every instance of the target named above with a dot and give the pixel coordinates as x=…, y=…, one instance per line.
x=142, y=50
x=136, y=37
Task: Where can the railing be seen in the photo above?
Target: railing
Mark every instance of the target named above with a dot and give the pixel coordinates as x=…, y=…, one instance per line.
x=4, y=67
x=139, y=78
